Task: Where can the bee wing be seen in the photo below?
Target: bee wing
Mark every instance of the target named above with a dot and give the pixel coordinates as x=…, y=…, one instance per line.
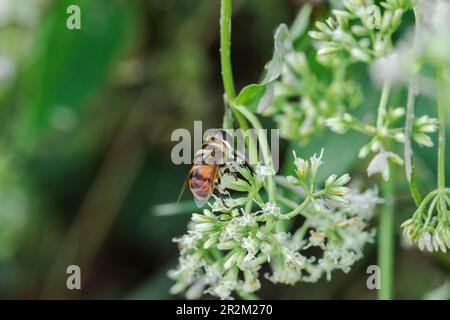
x=200, y=202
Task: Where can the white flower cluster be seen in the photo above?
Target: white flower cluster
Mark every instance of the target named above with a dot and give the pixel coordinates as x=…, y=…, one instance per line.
x=410, y=63
x=361, y=31
x=226, y=246
x=421, y=129
x=302, y=101
x=428, y=46
x=429, y=227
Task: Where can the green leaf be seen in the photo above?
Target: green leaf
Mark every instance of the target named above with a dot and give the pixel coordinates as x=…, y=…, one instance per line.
x=250, y=94
x=256, y=97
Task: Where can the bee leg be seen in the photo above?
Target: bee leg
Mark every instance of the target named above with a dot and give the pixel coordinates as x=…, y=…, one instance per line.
x=223, y=194
x=225, y=203
x=241, y=160
x=226, y=169
x=222, y=191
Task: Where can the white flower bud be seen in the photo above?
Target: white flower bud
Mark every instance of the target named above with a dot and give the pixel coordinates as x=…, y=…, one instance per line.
x=322, y=27
x=336, y=124
x=205, y=227
x=360, y=54
x=400, y=137
x=232, y=259
x=360, y=30
x=302, y=167
x=326, y=51
x=319, y=35
x=331, y=179
x=423, y=139
x=386, y=22
x=397, y=113
x=364, y=151
x=343, y=180
x=315, y=162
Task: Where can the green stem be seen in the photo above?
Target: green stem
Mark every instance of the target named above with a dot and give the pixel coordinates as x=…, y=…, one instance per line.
x=287, y=202
x=408, y=151
x=226, y=68
x=301, y=232
x=386, y=220
x=258, y=198
x=441, y=101
x=442, y=91
x=249, y=204
x=386, y=240
x=363, y=128
x=298, y=210
x=382, y=107
x=225, y=43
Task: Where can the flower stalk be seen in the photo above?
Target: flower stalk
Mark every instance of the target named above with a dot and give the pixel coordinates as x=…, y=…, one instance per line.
x=225, y=52
x=386, y=219
x=226, y=68
x=382, y=107
x=441, y=101
x=386, y=239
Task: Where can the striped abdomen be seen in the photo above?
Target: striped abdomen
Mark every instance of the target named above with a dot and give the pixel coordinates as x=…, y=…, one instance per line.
x=201, y=181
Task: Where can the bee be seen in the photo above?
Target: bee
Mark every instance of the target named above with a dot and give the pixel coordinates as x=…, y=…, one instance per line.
x=209, y=164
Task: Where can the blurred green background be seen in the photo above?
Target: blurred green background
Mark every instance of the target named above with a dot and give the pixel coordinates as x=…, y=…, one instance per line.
x=86, y=117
